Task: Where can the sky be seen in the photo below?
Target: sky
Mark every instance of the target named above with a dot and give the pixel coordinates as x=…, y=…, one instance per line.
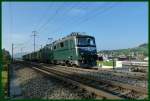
x=115, y=25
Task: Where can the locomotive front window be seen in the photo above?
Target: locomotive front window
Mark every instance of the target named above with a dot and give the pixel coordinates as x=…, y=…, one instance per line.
x=86, y=41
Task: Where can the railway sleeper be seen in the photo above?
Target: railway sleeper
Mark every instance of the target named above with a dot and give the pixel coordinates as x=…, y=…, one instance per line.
x=81, y=92
x=95, y=91
x=125, y=92
x=74, y=87
x=103, y=86
x=116, y=93
x=90, y=84
x=77, y=79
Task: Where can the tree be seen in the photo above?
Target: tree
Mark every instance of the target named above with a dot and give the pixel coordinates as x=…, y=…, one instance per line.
x=5, y=58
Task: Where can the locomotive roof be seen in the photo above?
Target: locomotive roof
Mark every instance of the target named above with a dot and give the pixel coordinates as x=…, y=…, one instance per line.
x=79, y=34
x=73, y=34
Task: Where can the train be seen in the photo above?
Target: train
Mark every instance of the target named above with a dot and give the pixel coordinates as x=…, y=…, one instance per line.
x=77, y=49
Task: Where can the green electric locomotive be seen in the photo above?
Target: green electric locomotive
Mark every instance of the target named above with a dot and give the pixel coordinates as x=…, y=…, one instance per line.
x=74, y=50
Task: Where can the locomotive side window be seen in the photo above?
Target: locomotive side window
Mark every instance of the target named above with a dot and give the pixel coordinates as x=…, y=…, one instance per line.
x=66, y=43
x=61, y=44
x=49, y=47
x=57, y=46
x=71, y=44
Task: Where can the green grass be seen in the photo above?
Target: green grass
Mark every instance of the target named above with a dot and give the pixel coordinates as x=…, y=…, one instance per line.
x=105, y=63
x=4, y=78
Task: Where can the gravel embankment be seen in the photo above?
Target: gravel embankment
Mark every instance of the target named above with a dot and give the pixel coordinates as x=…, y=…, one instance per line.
x=35, y=85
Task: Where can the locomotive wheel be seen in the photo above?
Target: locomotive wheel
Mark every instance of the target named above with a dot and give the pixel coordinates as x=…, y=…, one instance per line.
x=67, y=63
x=71, y=64
x=63, y=64
x=74, y=65
x=55, y=62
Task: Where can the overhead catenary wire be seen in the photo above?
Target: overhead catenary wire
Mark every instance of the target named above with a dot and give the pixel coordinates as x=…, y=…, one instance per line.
x=79, y=22
x=62, y=14
x=50, y=19
x=66, y=11
x=70, y=9
x=42, y=17
x=96, y=14
x=76, y=17
x=15, y=46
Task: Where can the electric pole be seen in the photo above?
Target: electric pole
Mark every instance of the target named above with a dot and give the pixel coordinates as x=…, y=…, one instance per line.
x=113, y=60
x=21, y=49
x=12, y=51
x=34, y=35
x=41, y=46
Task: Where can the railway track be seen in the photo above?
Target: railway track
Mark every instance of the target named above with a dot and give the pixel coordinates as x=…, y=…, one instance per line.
x=103, y=88
x=139, y=76
x=136, y=75
x=128, y=75
x=127, y=78
x=83, y=87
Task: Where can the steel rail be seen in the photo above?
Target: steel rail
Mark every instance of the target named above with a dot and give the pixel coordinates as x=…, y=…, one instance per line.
x=88, y=88
x=115, y=73
x=113, y=83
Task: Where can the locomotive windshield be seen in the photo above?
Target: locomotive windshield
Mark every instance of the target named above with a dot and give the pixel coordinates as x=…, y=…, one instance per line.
x=86, y=41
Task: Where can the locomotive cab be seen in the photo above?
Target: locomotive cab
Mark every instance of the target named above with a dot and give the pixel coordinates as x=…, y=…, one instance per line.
x=86, y=48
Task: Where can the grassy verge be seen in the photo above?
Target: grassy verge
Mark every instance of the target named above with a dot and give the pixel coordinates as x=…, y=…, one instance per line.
x=105, y=63
x=4, y=78
x=5, y=81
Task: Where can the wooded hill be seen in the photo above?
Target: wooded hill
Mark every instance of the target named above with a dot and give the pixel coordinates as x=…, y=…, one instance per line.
x=141, y=49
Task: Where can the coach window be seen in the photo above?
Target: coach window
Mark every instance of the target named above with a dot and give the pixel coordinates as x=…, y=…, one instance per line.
x=66, y=43
x=61, y=44
x=54, y=47
x=50, y=47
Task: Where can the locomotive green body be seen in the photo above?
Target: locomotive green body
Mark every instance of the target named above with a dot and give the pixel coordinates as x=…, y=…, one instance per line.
x=76, y=49
x=64, y=51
